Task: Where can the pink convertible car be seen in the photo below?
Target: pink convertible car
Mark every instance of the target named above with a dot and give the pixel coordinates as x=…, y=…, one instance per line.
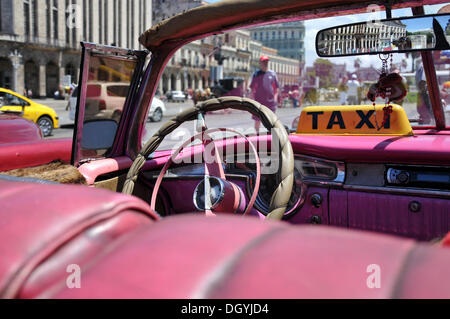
x=354, y=203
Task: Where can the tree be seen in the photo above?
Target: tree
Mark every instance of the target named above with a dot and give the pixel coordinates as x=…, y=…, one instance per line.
x=323, y=69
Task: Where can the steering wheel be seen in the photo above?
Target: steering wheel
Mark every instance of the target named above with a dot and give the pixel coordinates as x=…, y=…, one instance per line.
x=285, y=173
x=215, y=194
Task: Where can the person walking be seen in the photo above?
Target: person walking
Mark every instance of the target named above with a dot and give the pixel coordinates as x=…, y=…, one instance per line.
x=423, y=99
x=342, y=88
x=353, y=89
x=264, y=86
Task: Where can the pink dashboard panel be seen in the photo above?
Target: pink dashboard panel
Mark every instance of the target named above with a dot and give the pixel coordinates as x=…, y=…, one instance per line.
x=426, y=147
x=392, y=214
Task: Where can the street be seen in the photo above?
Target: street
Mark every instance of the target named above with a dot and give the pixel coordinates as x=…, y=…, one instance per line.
x=238, y=120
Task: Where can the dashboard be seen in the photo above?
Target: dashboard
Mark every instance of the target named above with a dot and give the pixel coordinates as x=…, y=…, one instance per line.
x=241, y=169
x=406, y=200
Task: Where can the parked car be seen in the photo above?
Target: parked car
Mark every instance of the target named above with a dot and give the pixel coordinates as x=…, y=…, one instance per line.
x=230, y=86
x=176, y=96
x=15, y=129
x=107, y=100
x=354, y=204
x=42, y=115
x=157, y=110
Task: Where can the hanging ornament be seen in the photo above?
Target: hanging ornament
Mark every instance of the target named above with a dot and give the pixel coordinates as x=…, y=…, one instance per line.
x=389, y=87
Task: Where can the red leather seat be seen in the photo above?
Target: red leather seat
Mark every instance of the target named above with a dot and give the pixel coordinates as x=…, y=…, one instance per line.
x=43, y=228
x=234, y=257
x=123, y=254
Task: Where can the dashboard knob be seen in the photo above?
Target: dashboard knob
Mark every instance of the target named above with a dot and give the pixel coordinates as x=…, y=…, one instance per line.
x=316, y=220
x=403, y=177
x=316, y=200
x=414, y=206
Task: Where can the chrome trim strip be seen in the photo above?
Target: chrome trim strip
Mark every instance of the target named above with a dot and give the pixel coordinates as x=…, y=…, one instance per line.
x=107, y=48
x=340, y=174
x=192, y=177
x=398, y=191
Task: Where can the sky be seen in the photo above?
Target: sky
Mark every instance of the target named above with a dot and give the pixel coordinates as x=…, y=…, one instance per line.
x=314, y=26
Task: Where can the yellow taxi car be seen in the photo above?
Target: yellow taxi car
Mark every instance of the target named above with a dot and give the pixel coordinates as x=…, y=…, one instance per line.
x=44, y=116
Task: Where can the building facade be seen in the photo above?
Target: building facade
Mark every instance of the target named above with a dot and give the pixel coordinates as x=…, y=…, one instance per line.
x=287, y=38
x=39, y=39
x=195, y=65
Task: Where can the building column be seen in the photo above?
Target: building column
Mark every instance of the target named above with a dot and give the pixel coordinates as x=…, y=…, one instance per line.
x=169, y=83
x=62, y=73
x=178, y=84
x=20, y=78
x=42, y=80
x=17, y=72
x=160, y=85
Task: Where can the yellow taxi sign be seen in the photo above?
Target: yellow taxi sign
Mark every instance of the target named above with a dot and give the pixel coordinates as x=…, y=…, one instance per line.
x=354, y=120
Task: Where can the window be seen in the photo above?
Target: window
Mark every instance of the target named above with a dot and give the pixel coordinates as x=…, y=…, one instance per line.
x=11, y=100
x=128, y=24
x=145, y=15
x=35, y=19
x=91, y=10
x=140, y=17
x=26, y=12
x=118, y=90
x=105, y=21
x=74, y=31
x=133, y=23
x=85, y=23
x=67, y=19
x=115, y=21
x=100, y=22
x=119, y=26
x=55, y=19
x=49, y=20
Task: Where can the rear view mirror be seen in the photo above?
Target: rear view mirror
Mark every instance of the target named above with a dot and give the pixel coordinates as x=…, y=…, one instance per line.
x=399, y=35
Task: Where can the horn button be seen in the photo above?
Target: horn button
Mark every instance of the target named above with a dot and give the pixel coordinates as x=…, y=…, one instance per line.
x=219, y=196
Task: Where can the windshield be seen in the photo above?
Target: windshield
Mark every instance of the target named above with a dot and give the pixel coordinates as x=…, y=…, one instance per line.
x=277, y=65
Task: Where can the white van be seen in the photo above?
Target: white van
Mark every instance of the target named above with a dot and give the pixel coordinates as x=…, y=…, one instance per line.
x=106, y=100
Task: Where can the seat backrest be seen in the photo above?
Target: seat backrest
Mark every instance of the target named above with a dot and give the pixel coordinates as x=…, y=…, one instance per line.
x=37, y=220
x=230, y=257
